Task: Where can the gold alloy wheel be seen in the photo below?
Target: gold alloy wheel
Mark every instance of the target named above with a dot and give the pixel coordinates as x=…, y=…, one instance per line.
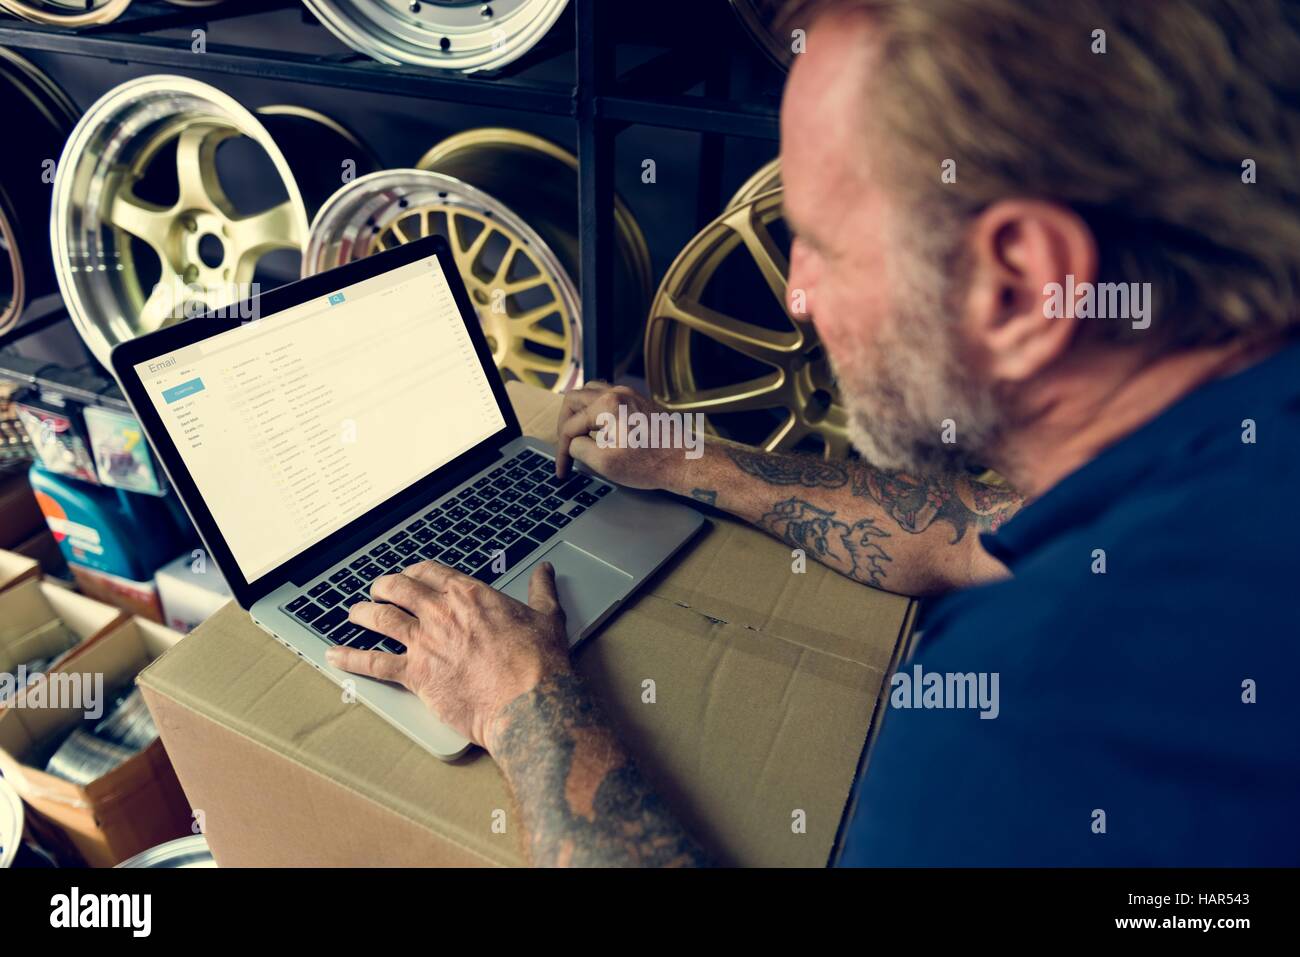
x=43, y=113
x=526, y=303
x=504, y=199
x=143, y=229
x=764, y=379
x=66, y=13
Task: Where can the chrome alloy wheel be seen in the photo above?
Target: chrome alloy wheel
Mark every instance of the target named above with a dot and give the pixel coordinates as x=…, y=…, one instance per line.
x=446, y=34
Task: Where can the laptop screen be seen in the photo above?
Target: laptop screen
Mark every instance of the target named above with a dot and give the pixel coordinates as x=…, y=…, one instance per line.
x=293, y=426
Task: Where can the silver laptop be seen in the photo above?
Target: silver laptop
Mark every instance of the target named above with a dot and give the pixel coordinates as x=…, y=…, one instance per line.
x=357, y=424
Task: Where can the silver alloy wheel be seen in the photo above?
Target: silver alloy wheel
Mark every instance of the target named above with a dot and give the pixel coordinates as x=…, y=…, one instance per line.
x=527, y=301
x=445, y=34
x=96, y=212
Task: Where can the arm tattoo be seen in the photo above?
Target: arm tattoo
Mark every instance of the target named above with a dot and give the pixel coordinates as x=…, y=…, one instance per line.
x=917, y=503
x=584, y=802
x=706, y=495
x=914, y=503
x=778, y=469
x=849, y=549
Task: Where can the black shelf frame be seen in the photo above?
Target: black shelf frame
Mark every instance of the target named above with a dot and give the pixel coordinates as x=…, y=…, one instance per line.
x=599, y=101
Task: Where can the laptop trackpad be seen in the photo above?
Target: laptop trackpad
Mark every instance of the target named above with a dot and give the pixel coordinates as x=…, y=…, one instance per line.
x=587, y=585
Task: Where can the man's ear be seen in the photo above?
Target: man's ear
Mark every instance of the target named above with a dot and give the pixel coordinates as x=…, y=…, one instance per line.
x=1019, y=309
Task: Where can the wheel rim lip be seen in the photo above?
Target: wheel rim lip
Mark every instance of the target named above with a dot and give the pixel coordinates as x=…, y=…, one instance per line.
x=330, y=244
x=369, y=35
x=709, y=248
x=10, y=311
x=21, y=78
x=37, y=13
x=102, y=332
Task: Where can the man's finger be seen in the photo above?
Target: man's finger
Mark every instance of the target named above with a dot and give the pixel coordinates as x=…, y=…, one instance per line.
x=431, y=574
x=575, y=401
x=405, y=591
x=372, y=664
x=585, y=450
x=388, y=620
x=580, y=424
x=542, y=595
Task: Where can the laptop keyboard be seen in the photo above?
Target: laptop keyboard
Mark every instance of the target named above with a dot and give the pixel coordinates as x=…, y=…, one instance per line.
x=484, y=530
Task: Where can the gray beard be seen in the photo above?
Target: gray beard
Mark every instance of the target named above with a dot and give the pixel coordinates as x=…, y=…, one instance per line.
x=911, y=383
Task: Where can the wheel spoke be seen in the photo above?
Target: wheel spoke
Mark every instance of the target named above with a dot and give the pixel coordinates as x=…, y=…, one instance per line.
x=471, y=252
x=160, y=305
x=767, y=392
x=542, y=336
x=196, y=168
x=252, y=236
x=768, y=259
x=786, y=435
x=145, y=221
x=764, y=345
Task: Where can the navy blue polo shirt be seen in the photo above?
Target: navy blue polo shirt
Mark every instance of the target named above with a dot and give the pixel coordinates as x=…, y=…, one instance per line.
x=1147, y=714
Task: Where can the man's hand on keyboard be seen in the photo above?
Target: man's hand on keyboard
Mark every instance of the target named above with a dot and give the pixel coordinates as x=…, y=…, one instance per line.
x=581, y=415
x=470, y=650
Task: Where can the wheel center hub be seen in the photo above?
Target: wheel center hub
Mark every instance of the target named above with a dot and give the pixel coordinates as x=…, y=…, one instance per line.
x=204, y=247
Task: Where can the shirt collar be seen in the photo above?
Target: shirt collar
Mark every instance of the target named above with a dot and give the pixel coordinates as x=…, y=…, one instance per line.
x=1088, y=491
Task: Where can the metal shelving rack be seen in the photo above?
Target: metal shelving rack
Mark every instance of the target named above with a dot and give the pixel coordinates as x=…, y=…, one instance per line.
x=601, y=101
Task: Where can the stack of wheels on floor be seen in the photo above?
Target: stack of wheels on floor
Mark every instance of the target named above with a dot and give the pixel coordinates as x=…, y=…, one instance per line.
x=444, y=34
x=143, y=230
x=505, y=201
x=39, y=116
x=761, y=378
x=80, y=13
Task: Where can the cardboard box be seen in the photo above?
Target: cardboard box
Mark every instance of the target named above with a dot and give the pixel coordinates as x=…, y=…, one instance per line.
x=190, y=593
x=766, y=686
x=135, y=598
x=136, y=805
x=27, y=608
x=16, y=569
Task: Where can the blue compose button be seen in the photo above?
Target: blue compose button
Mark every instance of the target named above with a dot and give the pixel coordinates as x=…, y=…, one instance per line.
x=183, y=390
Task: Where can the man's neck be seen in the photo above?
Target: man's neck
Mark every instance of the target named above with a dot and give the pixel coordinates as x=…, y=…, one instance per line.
x=1101, y=402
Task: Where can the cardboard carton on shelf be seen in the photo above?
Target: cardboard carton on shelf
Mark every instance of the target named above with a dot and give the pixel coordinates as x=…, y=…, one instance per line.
x=766, y=686
x=133, y=807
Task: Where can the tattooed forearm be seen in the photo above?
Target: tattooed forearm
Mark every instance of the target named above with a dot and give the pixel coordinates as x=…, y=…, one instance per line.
x=777, y=469
x=915, y=503
x=583, y=801
x=706, y=495
x=842, y=511
x=850, y=549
